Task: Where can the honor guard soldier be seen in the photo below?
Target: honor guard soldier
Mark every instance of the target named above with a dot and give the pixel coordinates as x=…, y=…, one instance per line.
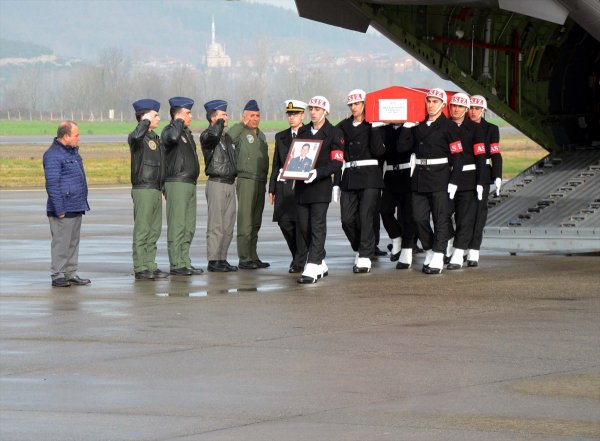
x=281, y=192
x=396, y=200
x=492, y=172
x=252, y=162
x=470, y=188
x=219, y=160
x=183, y=170
x=438, y=160
x=361, y=180
x=314, y=194
x=147, y=184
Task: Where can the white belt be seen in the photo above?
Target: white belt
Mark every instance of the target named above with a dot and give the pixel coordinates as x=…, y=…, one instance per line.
x=435, y=161
x=488, y=161
x=361, y=163
x=468, y=167
x=397, y=166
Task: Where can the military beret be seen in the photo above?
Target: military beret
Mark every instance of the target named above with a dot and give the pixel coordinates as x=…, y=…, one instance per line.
x=216, y=105
x=294, y=106
x=180, y=101
x=252, y=105
x=146, y=104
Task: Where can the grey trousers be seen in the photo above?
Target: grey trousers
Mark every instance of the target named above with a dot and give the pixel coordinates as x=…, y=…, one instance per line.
x=64, y=248
x=220, y=198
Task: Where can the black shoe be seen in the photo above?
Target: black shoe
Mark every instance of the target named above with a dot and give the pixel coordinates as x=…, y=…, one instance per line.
x=262, y=264
x=472, y=263
x=447, y=259
x=144, y=275
x=158, y=274
x=61, y=282
x=195, y=271
x=229, y=266
x=430, y=270
x=425, y=267
x=453, y=266
x=378, y=252
x=306, y=279
x=248, y=265
x=76, y=280
x=180, y=272
x=216, y=266
x=295, y=269
x=360, y=270
x=393, y=257
x=401, y=265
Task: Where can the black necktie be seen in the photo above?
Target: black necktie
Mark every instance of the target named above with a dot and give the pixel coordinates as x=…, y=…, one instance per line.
x=293, y=135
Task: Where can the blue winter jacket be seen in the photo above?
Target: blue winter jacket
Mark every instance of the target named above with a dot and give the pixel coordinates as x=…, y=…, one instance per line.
x=66, y=184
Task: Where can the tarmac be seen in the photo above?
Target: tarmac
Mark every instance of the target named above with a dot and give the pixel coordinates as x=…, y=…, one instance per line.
x=509, y=350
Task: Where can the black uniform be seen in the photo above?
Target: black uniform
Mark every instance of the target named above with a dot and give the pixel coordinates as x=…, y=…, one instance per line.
x=284, y=210
x=312, y=200
x=361, y=184
x=464, y=204
x=491, y=171
x=396, y=201
x=147, y=158
x=437, y=141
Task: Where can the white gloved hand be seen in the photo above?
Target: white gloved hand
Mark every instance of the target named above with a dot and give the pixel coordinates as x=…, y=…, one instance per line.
x=452, y=190
x=498, y=184
x=378, y=124
x=479, y=192
x=147, y=116
x=312, y=175
x=409, y=124
x=279, y=178
x=336, y=194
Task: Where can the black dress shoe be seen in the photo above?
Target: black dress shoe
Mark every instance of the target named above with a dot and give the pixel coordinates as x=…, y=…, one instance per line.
x=393, y=257
x=144, y=275
x=262, y=264
x=447, y=259
x=180, y=272
x=158, y=274
x=229, y=266
x=248, y=265
x=295, y=269
x=76, y=280
x=216, y=266
x=61, y=282
x=378, y=252
x=360, y=270
x=472, y=263
x=195, y=271
x=306, y=279
x=424, y=267
x=430, y=270
x=453, y=266
x=401, y=265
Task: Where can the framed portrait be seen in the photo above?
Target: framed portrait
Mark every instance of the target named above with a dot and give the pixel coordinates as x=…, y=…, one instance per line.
x=301, y=158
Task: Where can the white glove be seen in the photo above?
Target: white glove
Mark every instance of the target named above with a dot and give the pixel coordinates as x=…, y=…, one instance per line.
x=147, y=116
x=312, y=175
x=378, y=124
x=409, y=124
x=479, y=192
x=498, y=183
x=336, y=194
x=452, y=190
x=279, y=178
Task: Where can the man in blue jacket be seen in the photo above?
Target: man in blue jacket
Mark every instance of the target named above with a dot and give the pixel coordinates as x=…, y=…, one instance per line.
x=67, y=190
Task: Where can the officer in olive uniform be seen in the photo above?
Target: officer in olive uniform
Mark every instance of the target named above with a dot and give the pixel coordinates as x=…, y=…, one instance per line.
x=470, y=189
x=183, y=170
x=396, y=200
x=147, y=183
x=361, y=181
x=219, y=159
x=438, y=163
x=491, y=173
x=281, y=192
x=252, y=161
x=313, y=195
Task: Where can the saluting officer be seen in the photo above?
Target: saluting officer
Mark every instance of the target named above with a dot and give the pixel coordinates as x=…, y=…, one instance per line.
x=314, y=194
x=396, y=199
x=492, y=172
x=438, y=164
x=361, y=181
x=281, y=192
x=183, y=170
x=147, y=183
x=470, y=188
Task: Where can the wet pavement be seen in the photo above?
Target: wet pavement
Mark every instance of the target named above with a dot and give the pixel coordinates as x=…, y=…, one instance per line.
x=506, y=351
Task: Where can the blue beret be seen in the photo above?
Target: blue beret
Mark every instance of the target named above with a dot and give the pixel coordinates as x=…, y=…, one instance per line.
x=216, y=105
x=146, y=104
x=181, y=101
x=252, y=105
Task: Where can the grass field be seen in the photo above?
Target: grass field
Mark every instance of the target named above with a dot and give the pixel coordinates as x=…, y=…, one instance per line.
x=21, y=165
